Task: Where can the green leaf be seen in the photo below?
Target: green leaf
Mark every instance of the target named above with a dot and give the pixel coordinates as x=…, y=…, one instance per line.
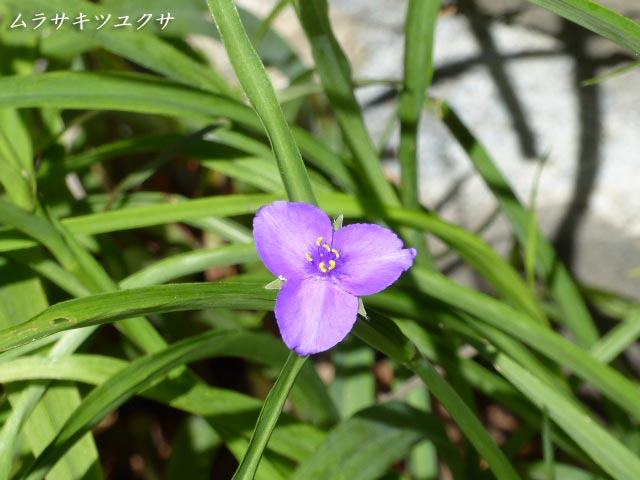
x=478, y=254
x=232, y=414
x=177, y=211
x=109, y=307
x=537, y=471
x=418, y=71
x=575, y=314
x=119, y=91
x=139, y=46
x=138, y=375
x=599, y=19
x=17, y=173
x=612, y=74
x=366, y=445
x=618, y=339
x=473, y=374
x=258, y=87
x=39, y=418
x=190, y=262
x=420, y=27
x=333, y=68
x=617, y=460
x=382, y=333
x=611, y=383
x=353, y=387
x=194, y=450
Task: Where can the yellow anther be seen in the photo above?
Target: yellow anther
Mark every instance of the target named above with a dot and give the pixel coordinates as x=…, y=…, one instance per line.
x=323, y=267
x=327, y=247
x=332, y=264
x=309, y=257
x=336, y=252
x=319, y=241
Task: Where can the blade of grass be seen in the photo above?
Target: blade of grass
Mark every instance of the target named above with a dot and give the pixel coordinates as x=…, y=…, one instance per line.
x=17, y=174
x=139, y=46
x=53, y=271
x=613, y=74
x=482, y=257
x=367, y=444
x=420, y=26
x=418, y=72
x=382, y=334
x=146, y=94
x=21, y=297
x=487, y=262
x=618, y=339
x=547, y=446
x=333, y=68
x=109, y=307
x=615, y=458
x=537, y=471
x=532, y=229
x=119, y=91
x=256, y=84
x=473, y=375
x=575, y=313
x=194, y=449
x=190, y=262
x=233, y=414
x=265, y=24
x=611, y=383
x=353, y=387
x=423, y=459
x=569, y=415
x=139, y=374
x=138, y=177
x=599, y=19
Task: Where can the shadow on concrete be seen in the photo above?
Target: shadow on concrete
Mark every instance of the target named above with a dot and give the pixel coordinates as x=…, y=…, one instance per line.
x=491, y=58
x=589, y=112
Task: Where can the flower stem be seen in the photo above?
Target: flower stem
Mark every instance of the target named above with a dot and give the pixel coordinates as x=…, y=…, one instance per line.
x=268, y=417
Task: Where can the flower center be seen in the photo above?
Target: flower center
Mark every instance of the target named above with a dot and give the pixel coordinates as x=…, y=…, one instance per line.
x=325, y=258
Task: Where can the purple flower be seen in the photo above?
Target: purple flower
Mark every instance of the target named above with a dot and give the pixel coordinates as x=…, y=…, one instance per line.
x=324, y=271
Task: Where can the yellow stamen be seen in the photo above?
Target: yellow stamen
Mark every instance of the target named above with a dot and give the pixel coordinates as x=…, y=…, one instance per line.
x=332, y=264
x=319, y=241
x=323, y=267
x=327, y=247
x=336, y=252
x=309, y=257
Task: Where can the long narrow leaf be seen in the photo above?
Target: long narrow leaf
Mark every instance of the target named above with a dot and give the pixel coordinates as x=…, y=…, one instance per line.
x=615, y=458
x=258, y=87
x=364, y=446
x=139, y=46
x=109, y=307
x=611, y=383
x=334, y=71
x=575, y=313
x=137, y=376
x=599, y=19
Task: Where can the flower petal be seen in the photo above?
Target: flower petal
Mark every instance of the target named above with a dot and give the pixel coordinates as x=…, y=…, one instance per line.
x=372, y=258
x=314, y=314
x=285, y=231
